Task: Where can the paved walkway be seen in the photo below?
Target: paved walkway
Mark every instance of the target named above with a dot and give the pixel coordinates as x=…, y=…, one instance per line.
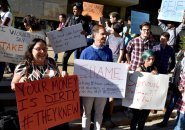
x=122, y=121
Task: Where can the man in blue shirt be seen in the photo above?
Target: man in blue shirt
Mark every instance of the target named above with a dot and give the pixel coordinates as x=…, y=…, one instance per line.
x=97, y=52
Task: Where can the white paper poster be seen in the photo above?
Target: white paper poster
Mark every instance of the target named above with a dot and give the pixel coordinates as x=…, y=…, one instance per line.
x=14, y=43
x=68, y=38
x=172, y=10
x=146, y=91
x=101, y=79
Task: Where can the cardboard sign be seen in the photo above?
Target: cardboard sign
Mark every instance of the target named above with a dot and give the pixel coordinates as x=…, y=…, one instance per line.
x=68, y=39
x=93, y=10
x=14, y=43
x=101, y=79
x=137, y=19
x=146, y=91
x=172, y=10
x=46, y=103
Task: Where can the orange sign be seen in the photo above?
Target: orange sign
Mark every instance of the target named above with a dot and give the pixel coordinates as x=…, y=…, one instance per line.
x=93, y=10
x=46, y=103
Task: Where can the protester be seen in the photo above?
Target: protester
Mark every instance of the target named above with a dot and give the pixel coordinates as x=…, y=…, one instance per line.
x=91, y=23
x=126, y=33
x=32, y=25
x=135, y=49
x=164, y=53
x=97, y=52
x=138, y=45
x=62, y=20
x=140, y=115
x=114, y=16
x=75, y=19
x=121, y=21
x=36, y=66
x=116, y=43
x=6, y=15
x=173, y=31
x=165, y=63
x=108, y=26
x=6, y=20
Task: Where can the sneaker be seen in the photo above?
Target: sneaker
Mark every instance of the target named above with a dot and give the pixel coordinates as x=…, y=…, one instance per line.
x=161, y=125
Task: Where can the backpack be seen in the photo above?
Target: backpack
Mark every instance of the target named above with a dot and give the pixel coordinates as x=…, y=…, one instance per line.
x=9, y=120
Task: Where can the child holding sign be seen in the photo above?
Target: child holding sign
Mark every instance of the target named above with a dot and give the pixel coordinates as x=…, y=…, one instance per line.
x=140, y=116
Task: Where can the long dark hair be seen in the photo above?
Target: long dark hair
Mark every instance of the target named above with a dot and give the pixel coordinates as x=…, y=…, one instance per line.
x=33, y=22
x=28, y=54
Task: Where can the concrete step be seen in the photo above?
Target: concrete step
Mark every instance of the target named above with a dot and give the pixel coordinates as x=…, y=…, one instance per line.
x=7, y=96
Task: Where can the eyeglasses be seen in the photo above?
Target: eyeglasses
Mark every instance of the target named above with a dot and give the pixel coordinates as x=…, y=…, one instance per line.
x=41, y=49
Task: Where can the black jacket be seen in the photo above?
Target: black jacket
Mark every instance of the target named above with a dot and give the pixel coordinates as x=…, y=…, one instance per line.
x=75, y=20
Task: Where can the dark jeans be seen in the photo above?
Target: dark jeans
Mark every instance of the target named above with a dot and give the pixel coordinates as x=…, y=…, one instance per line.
x=2, y=68
x=67, y=54
x=139, y=118
x=180, y=121
x=175, y=96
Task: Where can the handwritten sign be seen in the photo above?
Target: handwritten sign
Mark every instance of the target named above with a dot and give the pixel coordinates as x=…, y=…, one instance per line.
x=101, y=79
x=172, y=10
x=68, y=39
x=146, y=91
x=137, y=19
x=46, y=103
x=14, y=43
x=93, y=10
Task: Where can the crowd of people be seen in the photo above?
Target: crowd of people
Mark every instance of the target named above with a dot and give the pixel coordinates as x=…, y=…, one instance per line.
x=111, y=43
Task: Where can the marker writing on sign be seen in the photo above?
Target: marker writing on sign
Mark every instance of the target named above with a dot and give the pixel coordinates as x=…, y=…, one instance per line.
x=55, y=113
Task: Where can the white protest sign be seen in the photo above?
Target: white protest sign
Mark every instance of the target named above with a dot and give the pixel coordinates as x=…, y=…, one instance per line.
x=101, y=79
x=14, y=43
x=68, y=39
x=146, y=91
x=172, y=10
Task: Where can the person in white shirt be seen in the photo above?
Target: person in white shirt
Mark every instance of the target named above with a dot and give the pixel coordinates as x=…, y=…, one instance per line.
x=5, y=20
x=6, y=15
